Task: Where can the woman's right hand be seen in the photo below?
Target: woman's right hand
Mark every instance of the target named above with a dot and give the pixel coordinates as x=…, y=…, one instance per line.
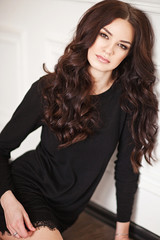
x=16, y=217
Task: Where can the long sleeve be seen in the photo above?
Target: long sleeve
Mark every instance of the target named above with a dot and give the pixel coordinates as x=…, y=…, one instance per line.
x=25, y=119
x=126, y=179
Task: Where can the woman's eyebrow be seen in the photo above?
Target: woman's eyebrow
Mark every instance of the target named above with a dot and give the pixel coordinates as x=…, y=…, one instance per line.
x=124, y=41
x=105, y=29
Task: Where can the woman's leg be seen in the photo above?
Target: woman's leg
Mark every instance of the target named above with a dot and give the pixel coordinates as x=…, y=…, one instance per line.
x=40, y=234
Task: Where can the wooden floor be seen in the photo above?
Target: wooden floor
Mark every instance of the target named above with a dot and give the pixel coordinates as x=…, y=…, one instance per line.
x=89, y=228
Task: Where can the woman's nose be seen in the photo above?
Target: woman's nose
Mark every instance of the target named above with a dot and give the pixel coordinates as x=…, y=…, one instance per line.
x=109, y=49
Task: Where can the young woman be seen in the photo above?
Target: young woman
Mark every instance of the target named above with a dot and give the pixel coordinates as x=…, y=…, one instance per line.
x=100, y=95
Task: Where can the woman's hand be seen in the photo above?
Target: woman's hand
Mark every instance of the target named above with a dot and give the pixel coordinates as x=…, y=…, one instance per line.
x=16, y=216
x=122, y=231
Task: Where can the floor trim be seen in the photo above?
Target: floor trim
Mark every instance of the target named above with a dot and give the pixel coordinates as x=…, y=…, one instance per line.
x=136, y=232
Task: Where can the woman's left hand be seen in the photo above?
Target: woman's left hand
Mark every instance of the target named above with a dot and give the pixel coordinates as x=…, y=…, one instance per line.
x=122, y=231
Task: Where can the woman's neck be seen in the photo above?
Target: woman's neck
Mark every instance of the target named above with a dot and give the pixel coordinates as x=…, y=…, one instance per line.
x=101, y=82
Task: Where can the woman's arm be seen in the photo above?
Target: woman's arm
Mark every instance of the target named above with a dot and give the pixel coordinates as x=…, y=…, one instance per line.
x=126, y=179
x=25, y=119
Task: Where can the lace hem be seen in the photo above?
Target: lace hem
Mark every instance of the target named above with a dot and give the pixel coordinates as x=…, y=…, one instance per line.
x=51, y=225
x=38, y=224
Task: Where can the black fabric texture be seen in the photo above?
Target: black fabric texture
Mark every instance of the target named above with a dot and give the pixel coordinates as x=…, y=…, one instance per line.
x=67, y=178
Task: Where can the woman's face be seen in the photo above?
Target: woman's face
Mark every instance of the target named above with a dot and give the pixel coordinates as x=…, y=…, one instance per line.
x=111, y=47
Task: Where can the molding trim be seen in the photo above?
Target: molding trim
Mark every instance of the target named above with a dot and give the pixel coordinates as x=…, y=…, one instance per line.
x=136, y=232
x=15, y=40
x=149, y=177
x=54, y=48
x=149, y=184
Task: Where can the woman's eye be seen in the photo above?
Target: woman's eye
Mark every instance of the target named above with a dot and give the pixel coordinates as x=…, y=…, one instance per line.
x=122, y=46
x=104, y=35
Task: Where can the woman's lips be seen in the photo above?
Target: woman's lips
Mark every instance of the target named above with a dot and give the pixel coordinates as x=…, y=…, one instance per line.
x=102, y=59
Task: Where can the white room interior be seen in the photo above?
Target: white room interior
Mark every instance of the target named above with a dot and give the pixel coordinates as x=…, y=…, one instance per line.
x=33, y=32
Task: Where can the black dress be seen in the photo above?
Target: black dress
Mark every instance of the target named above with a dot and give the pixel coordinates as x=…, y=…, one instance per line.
x=54, y=185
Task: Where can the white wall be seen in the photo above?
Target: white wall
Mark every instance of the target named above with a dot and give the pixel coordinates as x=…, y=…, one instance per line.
x=35, y=31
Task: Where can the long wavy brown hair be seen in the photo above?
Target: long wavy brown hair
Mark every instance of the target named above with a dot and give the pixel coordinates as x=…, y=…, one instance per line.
x=69, y=111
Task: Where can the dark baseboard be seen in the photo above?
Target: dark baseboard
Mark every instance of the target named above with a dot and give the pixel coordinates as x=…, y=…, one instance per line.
x=136, y=232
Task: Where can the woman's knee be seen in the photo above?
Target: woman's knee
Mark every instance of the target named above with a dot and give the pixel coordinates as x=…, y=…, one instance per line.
x=1, y=236
x=45, y=233
x=40, y=234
